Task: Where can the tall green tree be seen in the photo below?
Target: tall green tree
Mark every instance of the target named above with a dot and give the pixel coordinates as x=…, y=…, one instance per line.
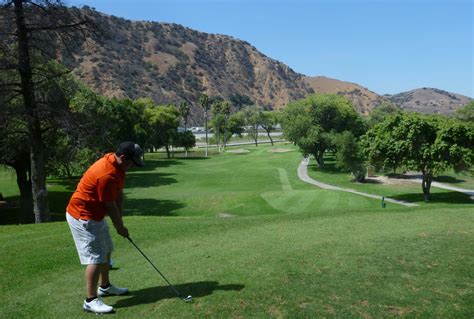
x=311, y=123
x=164, y=122
x=380, y=112
x=106, y=122
x=225, y=111
x=466, y=113
x=204, y=103
x=55, y=87
x=253, y=119
x=33, y=28
x=184, y=110
x=185, y=139
x=349, y=155
x=429, y=145
x=268, y=121
x=15, y=152
x=220, y=118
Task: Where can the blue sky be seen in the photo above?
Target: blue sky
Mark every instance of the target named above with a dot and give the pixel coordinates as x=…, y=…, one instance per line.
x=388, y=46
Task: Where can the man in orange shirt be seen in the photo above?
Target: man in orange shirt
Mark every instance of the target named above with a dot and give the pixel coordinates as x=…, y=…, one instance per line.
x=98, y=194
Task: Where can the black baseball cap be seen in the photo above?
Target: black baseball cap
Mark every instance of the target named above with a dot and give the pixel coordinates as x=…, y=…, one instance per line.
x=132, y=151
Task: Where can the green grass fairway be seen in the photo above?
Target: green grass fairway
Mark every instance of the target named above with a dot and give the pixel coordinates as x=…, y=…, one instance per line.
x=247, y=239
x=257, y=182
x=349, y=265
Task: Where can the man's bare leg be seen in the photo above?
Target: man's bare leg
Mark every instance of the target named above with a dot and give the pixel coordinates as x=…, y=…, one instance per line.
x=104, y=272
x=93, y=271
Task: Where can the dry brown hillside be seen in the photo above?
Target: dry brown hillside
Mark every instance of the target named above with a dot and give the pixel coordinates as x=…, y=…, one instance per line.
x=170, y=63
x=429, y=100
x=363, y=99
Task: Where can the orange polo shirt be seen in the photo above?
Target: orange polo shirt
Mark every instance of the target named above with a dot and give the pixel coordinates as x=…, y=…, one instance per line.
x=100, y=184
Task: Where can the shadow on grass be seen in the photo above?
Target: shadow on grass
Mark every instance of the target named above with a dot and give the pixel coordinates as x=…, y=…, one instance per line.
x=437, y=198
x=133, y=207
x=154, y=294
x=68, y=183
x=151, y=207
x=58, y=202
x=329, y=168
x=10, y=214
x=370, y=180
x=154, y=164
x=148, y=180
x=448, y=179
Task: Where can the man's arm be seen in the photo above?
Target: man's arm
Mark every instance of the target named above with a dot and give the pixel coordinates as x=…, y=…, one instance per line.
x=115, y=214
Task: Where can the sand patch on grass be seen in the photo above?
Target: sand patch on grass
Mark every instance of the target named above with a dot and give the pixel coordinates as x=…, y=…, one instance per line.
x=280, y=150
x=389, y=181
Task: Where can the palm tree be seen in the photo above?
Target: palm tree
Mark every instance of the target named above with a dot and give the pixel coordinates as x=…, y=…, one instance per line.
x=225, y=109
x=184, y=112
x=204, y=101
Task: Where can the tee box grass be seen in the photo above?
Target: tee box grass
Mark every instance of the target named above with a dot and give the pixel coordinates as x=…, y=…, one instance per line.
x=246, y=238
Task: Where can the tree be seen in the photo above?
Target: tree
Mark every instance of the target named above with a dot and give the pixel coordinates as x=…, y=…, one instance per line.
x=349, y=155
x=253, y=120
x=466, y=113
x=15, y=151
x=102, y=123
x=164, y=121
x=426, y=144
x=185, y=139
x=268, y=121
x=54, y=86
x=32, y=28
x=217, y=122
x=184, y=110
x=225, y=111
x=311, y=123
x=380, y=112
x=235, y=125
x=382, y=147
x=204, y=103
x=220, y=111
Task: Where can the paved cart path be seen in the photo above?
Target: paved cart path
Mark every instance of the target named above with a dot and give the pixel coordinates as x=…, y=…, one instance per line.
x=303, y=175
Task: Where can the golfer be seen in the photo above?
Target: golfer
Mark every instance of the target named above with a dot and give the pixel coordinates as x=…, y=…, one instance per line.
x=98, y=194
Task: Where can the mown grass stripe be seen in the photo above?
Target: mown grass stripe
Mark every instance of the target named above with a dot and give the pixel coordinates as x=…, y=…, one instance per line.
x=285, y=182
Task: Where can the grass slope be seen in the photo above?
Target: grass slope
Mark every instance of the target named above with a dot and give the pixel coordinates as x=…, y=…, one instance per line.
x=358, y=265
x=248, y=239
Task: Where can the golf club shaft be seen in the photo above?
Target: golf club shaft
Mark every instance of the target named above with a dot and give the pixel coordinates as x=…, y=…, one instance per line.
x=141, y=252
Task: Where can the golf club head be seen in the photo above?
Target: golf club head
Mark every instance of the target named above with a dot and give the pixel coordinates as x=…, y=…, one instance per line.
x=188, y=299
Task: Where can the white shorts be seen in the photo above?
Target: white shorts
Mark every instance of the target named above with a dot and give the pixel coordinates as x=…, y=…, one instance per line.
x=92, y=239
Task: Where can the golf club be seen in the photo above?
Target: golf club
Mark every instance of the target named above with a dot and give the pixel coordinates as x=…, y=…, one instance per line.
x=185, y=299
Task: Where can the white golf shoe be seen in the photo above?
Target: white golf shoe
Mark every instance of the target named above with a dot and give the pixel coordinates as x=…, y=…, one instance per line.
x=111, y=291
x=97, y=306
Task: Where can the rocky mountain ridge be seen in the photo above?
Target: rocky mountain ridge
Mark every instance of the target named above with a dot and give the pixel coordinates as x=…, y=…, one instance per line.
x=171, y=64
x=429, y=100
